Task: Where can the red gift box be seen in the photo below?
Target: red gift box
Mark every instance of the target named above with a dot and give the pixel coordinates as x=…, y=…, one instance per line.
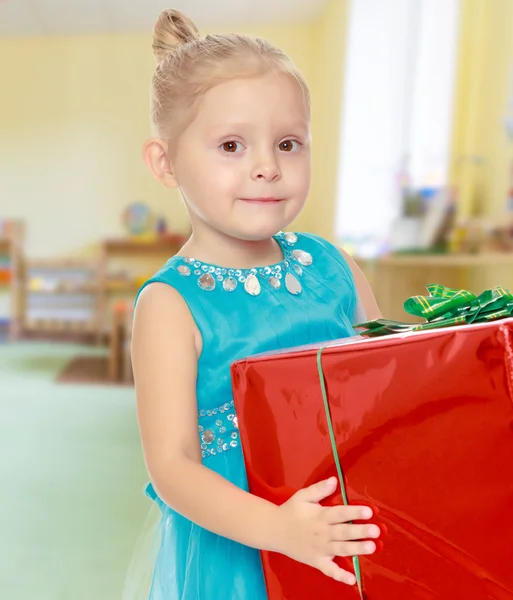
x=424, y=433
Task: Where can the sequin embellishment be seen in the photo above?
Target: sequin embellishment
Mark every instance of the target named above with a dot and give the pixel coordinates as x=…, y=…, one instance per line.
x=305, y=258
x=275, y=283
x=229, y=284
x=252, y=285
x=290, y=238
x=292, y=284
x=220, y=435
x=207, y=282
x=184, y=270
x=208, y=436
x=253, y=280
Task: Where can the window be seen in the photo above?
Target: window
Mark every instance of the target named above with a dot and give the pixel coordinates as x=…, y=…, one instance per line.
x=397, y=111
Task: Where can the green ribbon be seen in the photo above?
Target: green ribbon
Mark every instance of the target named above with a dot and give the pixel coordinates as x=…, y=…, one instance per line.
x=356, y=562
x=446, y=307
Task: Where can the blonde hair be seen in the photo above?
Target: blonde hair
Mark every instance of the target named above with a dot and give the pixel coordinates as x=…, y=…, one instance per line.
x=188, y=65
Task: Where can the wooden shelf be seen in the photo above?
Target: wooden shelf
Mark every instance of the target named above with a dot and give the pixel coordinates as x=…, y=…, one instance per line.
x=62, y=296
x=53, y=325
x=70, y=264
x=128, y=288
x=446, y=260
x=133, y=246
x=65, y=292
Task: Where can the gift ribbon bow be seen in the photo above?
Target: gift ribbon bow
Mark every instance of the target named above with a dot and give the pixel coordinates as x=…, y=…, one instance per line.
x=445, y=307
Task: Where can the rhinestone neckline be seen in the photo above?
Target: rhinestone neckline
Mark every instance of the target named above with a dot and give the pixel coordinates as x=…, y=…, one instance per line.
x=287, y=271
x=285, y=240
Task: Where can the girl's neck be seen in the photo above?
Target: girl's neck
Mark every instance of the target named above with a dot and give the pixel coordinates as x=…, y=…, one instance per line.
x=230, y=252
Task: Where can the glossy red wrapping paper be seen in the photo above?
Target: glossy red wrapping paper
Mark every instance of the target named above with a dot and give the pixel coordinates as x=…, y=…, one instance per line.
x=424, y=430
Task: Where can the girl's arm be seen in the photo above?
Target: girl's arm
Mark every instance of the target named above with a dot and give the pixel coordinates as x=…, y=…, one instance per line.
x=165, y=348
x=365, y=294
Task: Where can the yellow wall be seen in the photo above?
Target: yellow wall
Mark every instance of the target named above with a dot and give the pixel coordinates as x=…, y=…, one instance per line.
x=484, y=85
x=73, y=117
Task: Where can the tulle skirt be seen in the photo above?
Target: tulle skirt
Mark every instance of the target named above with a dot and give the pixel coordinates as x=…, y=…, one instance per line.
x=178, y=560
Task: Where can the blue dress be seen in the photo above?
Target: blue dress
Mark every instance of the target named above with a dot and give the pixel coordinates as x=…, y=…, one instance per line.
x=309, y=297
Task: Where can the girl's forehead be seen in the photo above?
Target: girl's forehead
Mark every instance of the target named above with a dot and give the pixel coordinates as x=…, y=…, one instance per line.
x=246, y=100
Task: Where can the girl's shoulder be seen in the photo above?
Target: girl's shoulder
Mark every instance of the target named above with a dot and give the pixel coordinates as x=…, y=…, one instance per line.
x=324, y=250
x=168, y=274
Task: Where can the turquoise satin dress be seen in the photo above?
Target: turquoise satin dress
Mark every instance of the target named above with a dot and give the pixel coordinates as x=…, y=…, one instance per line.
x=307, y=298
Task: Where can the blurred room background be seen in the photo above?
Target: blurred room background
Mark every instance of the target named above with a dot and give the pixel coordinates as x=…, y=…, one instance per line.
x=412, y=173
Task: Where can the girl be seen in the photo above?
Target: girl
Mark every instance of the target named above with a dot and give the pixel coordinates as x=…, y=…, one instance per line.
x=232, y=123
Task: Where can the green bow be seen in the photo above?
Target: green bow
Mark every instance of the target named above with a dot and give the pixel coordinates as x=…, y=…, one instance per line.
x=445, y=307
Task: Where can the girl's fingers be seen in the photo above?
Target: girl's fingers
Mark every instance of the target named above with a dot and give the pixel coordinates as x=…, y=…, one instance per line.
x=343, y=532
x=344, y=514
x=351, y=548
x=331, y=569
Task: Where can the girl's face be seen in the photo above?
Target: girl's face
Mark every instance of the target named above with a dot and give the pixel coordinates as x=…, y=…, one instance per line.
x=243, y=164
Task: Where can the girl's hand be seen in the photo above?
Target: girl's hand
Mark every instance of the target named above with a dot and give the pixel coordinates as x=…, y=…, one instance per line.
x=315, y=535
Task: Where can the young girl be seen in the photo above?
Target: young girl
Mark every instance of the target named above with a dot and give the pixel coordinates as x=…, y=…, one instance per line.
x=232, y=122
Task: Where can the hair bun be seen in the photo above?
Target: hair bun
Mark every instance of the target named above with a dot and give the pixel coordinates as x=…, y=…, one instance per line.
x=172, y=29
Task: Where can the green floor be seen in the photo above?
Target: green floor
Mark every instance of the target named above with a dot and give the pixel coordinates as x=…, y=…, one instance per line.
x=71, y=507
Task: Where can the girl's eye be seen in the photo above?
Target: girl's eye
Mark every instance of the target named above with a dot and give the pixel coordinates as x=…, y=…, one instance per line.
x=289, y=146
x=232, y=146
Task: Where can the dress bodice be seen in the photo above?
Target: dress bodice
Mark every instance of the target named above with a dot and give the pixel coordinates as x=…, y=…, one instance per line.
x=306, y=298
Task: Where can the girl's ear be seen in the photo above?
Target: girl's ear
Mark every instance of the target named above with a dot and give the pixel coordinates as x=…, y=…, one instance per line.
x=156, y=157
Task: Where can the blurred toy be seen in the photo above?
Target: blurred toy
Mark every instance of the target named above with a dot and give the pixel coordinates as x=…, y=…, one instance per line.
x=138, y=219
x=161, y=226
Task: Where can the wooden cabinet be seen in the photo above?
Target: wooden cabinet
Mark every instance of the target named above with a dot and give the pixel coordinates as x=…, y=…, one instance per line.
x=11, y=274
x=397, y=277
